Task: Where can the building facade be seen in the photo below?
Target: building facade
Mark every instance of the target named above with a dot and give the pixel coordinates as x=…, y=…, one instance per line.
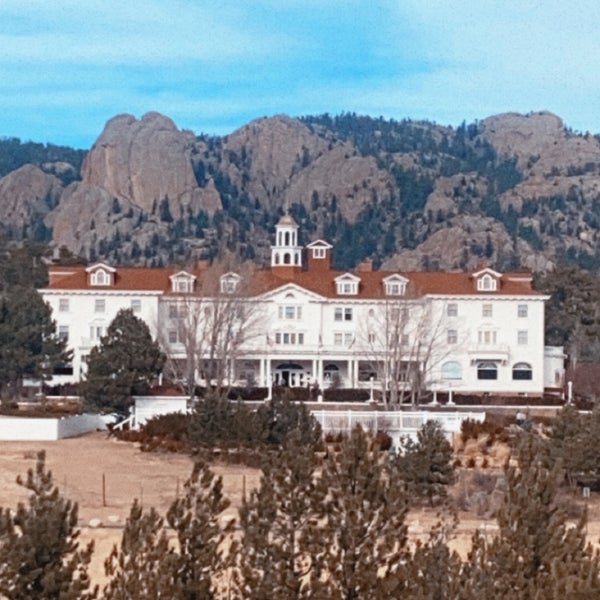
x=302, y=323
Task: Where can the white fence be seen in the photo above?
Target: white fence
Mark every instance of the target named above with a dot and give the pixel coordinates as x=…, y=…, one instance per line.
x=395, y=423
x=42, y=429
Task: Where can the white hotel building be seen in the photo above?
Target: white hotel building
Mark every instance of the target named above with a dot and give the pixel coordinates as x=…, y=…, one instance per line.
x=480, y=332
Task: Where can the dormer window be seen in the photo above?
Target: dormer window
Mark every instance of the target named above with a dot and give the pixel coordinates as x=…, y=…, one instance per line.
x=100, y=277
x=347, y=284
x=182, y=283
x=100, y=274
x=230, y=283
x=487, y=283
x=395, y=285
x=319, y=249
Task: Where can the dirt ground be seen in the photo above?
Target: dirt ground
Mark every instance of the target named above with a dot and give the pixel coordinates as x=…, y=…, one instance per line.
x=79, y=466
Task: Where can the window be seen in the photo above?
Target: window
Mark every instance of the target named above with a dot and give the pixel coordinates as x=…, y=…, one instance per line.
x=289, y=338
x=487, y=370
x=522, y=371
x=451, y=370
x=63, y=305
x=452, y=309
x=136, y=305
x=172, y=336
x=398, y=315
x=487, y=310
x=395, y=288
x=173, y=312
x=182, y=286
x=486, y=284
x=522, y=337
x=63, y=333
x=290, y=312
x=230, y=283
x=486, y=337
x=371, y=338
x=99, y=305
x=452, y=336
x=100, y=277
x=96, y=332
x=522, y=311
x=347, y=287
x=404, y=339
x=319, y=252
x=347, y=284
x=343, y=339
x=342, y=314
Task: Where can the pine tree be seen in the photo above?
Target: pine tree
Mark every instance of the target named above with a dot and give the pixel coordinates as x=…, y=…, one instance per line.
x=149, y=564
x=29, y=346
x=198, y=559
x=39, y=549
x=142, y=566
x=537, y=554
x=124, y=363
x=364, y=535
x=280, y=539
x=426, y=465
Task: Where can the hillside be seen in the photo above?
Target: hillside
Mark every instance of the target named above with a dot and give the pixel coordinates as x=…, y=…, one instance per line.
x=515, y=190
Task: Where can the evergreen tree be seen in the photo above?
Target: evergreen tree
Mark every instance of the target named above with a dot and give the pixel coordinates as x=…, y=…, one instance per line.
x=125, y=363
x=198, y=558
x=364, y=534
x=426, y=465
x=29, y=346
x=281, y=543
x=39, y=549
x=279, y=417
x=536, y=554
x=142, y=566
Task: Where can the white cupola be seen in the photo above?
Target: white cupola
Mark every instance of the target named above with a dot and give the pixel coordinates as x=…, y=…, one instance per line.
x=286, y=252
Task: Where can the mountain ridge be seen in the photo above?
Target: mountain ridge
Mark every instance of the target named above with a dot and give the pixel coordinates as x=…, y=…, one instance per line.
x=520, y=191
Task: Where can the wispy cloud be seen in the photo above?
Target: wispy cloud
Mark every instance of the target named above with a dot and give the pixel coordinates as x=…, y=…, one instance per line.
x=68, y=66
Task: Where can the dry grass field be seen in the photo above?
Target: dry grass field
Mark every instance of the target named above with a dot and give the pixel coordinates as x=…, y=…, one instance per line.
x=80, y=464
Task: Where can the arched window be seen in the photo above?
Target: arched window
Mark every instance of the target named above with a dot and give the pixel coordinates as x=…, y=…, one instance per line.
x=286, y=258
x=452, y=370
x=522, y=371
x=487, y=370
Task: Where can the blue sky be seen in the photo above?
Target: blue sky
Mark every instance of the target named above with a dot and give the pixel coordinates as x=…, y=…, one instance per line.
x=67, y=66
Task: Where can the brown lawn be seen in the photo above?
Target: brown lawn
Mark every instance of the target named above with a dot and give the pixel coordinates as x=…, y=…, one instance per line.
x=79, y=465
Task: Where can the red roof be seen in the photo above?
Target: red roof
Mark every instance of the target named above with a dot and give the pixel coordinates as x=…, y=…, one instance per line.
x=320, y=281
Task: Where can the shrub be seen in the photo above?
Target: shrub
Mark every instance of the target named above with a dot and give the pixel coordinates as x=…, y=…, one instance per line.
x=345, y=395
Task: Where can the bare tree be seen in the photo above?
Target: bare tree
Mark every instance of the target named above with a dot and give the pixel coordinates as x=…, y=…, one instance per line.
x=404, y=341
x=207, y=329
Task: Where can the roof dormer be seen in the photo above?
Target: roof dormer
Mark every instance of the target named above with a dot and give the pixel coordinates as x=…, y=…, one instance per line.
x=230, y=282
x=318, y=255
x=487, y=280
x=347, y=284
x=101, y=275
x=395, y=285
x=182, y=282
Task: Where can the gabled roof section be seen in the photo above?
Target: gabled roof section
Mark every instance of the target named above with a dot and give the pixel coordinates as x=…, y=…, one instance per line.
x=395, y=278
x=487, y=270
x=347, y=277
x=100, y=265
x=292, y=288
x=182, y=275
x=319, y=244
x=101, y=275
